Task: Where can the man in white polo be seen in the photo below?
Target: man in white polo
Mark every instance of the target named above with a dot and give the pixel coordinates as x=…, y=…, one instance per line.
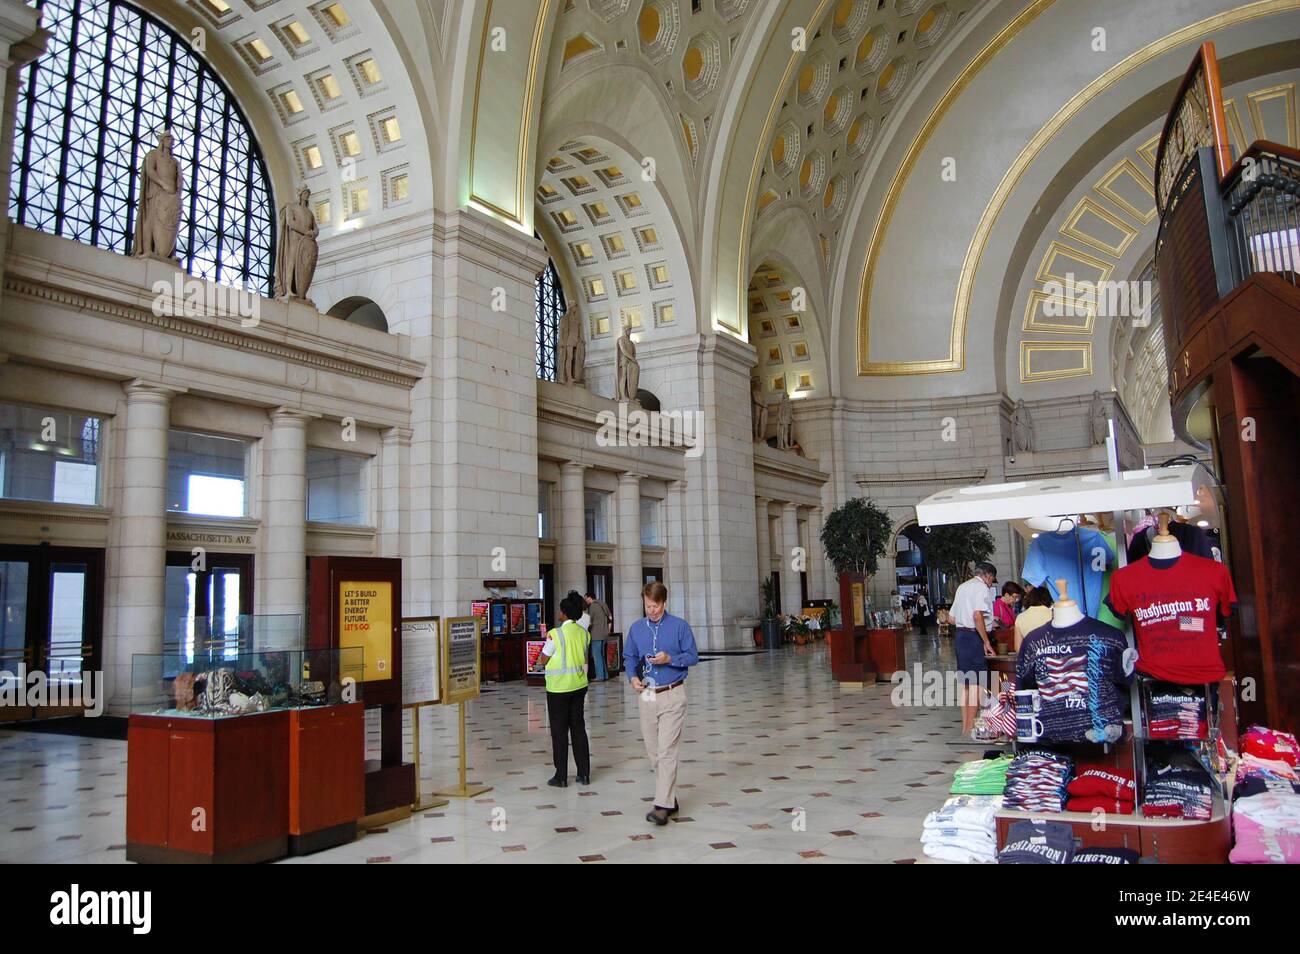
x=972, y=608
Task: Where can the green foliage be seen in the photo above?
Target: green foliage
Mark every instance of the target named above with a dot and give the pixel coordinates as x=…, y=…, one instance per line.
x=769, y=597
x=855, y=535
x=952, y=549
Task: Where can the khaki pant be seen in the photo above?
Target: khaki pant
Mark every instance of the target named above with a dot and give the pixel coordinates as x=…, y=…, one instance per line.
x=662, y=719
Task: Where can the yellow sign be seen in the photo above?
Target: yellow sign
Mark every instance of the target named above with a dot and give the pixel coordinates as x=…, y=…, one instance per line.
x=461, y=657
x=859, y=605
x=366, y=620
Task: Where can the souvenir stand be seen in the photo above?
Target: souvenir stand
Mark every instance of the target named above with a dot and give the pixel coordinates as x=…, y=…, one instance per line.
x=1167, y=840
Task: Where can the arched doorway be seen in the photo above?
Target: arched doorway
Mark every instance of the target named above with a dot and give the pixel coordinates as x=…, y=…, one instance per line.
x=360, y=311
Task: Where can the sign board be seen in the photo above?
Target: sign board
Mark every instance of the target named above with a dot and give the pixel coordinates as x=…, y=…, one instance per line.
x=859, y=605
x=460, y=659
x=366, y=620
x=532, y=649
x=421, y=660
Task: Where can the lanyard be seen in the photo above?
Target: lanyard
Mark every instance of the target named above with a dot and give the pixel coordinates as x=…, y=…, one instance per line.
x=654, y=647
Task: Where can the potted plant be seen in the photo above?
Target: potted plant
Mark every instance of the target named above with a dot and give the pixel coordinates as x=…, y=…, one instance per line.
x=770, y=625
x=855, y=535
x=797, y=628
x=954, y=548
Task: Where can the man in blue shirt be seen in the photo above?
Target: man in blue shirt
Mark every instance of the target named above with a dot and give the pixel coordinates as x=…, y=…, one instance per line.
x=656, y=654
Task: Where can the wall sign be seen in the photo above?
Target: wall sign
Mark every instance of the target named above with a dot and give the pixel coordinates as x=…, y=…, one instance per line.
x=366, y=620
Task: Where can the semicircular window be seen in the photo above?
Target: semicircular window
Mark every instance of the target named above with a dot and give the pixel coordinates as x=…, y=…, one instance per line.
x=112, y=77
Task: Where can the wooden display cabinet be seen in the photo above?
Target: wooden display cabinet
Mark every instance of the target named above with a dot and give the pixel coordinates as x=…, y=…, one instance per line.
x=207, y=791
x=327, y=784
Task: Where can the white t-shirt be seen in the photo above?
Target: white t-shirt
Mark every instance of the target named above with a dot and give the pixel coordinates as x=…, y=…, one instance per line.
x=972, y=597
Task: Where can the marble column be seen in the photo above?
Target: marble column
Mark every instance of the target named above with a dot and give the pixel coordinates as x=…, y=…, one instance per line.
x=816, y=556
x=763, y=528
x=791, y=594
x=284, y=515
x=571, y=555
x=674, y=543
x=141, y=551
x=391, y=501
x=627, y=554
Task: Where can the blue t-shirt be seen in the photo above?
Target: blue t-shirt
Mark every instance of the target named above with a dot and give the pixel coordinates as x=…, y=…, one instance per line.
x=1053, y=555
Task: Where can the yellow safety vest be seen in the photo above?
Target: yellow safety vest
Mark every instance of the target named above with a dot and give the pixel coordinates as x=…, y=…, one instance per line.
x=566, y=669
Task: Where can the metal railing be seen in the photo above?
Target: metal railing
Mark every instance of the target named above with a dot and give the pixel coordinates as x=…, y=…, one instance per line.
x=1261, y=198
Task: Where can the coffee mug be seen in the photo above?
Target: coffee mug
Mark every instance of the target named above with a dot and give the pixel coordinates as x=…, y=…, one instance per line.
x=1028, y=701
x=1029, y=728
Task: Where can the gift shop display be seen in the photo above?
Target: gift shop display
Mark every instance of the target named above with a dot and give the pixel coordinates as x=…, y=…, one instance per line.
x=963, y=829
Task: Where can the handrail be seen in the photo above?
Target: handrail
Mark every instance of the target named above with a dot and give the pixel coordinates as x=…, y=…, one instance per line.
x=1257, y=149
x=1204, y=67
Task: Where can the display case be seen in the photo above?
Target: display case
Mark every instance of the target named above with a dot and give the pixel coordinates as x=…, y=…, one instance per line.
x=227, y=752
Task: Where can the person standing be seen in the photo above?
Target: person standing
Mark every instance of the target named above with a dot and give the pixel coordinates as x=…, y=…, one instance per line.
x=564, y=660
x=972, y=608
x=599, y=615
x=659, y=649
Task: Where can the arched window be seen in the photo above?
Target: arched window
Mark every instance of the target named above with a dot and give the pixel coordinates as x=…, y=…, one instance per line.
x=550, y=306
x=112, y=78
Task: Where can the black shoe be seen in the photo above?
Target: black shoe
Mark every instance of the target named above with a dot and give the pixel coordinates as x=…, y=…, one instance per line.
x=584, y=779
x=556, y=782
x=674, y=809
x=657, y=815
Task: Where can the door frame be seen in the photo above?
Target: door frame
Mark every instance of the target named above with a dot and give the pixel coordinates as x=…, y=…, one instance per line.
x=246, y=564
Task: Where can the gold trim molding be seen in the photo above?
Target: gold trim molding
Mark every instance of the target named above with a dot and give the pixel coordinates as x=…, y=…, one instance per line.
x=1028, y=348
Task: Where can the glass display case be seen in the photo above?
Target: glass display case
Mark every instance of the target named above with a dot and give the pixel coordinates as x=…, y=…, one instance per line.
x=191, y=634
x=221, y=683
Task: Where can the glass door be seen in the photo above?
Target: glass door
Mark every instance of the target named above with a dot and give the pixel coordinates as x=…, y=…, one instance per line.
x=209, y=607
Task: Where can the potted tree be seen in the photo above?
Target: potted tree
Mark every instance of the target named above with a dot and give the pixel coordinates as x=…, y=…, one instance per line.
x=770, y=624
x=955, y=548
x=853, y=538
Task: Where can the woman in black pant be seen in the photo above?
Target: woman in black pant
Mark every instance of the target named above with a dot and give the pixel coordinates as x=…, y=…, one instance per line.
x=564, y=661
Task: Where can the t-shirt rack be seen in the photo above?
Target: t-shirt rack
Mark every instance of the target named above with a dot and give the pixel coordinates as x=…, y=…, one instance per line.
x=1161, y=838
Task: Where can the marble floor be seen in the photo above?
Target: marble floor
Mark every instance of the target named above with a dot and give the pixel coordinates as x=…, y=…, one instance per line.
x=778, y=765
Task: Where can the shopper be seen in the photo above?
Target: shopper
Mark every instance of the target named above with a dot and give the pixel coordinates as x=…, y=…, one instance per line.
x=1007, y=606
x=1036, y=612
x=972, y=608
x=923, y=612
x=659, y=648
x=564, y=660
x=599, y=615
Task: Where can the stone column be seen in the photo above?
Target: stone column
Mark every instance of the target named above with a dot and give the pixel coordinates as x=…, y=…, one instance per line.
x=627, y=556
x=571, y=555
x=674, y=544
x=791, y=596
x=816, y=556
x=763, y=528
x=141, y=552
x=392, y=499
x=283, y=567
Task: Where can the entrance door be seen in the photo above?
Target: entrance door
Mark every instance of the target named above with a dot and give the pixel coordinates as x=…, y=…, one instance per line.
x=546, y=580
x=600, y=580
x=209, y=608
x=51, y=610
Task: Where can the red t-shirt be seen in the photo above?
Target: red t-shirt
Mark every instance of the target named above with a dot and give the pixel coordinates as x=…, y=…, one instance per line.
x=1174, y=615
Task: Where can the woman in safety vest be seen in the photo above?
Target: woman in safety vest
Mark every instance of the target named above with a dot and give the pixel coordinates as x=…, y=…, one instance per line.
x=564, y=660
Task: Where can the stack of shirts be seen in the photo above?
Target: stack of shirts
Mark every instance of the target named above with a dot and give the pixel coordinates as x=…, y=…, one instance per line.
x=1266, y=799
x=1270, y=745
x=963, y=830
x=1177, y=787
x=1102, y=786
x=981, y=777
x=1106, y=856
x=1177, y=712
x=1036, y=781
x=1038, y=843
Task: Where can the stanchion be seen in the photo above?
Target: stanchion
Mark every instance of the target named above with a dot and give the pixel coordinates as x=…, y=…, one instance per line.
x=420, y=806
x=464, y=790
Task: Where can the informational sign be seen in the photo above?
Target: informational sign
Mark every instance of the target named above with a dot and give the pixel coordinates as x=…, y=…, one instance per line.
x=518, y=621
x=500, y=622
x=460, y=659
x=479, y=610
x=366, y=620
x=532, y=649
x=534, y=616
x=859, y=605
x=421, y=660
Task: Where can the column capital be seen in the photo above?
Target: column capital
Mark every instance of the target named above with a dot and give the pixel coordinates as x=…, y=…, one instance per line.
x=291, y=417
x=629, y=477
x=153, y=392
x=401, y=436
x=789, y=506
x=572, y=466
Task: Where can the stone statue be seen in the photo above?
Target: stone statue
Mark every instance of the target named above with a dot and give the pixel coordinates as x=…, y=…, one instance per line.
x=572, y=365
x=158, y=214
x=1097, y=419
x=1022, y=429
x=295, y=254
x=758, y=408
x=785, y=423
x=628, y=375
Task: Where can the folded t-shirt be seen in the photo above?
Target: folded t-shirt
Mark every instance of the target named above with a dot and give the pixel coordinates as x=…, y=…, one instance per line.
x=1267, y=830
x=1271, y=744
x=1259, y=784
x=1038, y=843
x=1106, y=856
x=1103, y=780
x=1090, y=803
